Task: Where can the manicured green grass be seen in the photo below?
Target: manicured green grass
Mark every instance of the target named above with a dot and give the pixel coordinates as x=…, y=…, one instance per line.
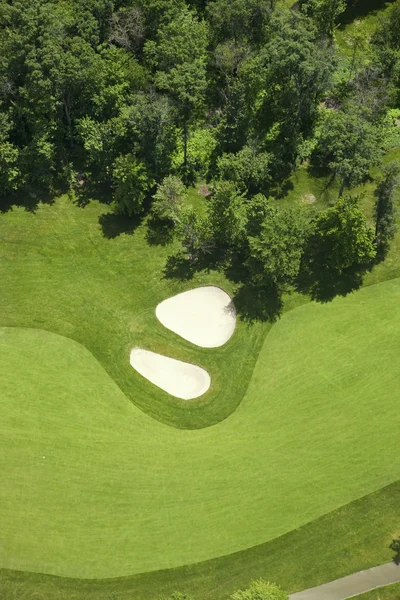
x=60, y=273
x=391, y=592
x=309, y=427
x=126, y=494
x=354, y=537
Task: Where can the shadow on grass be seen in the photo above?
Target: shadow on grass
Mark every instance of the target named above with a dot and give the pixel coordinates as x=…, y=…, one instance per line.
x=258, y=304
x=92, y=190
x=324, y=285
x=253, y=303
x=357, y=9
x=27, y=199
x=282, y=190
x=159, y=233
x=113, y=224
x=178, y=266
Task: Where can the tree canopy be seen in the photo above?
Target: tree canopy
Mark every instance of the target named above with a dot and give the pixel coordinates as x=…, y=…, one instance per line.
x=132, y=100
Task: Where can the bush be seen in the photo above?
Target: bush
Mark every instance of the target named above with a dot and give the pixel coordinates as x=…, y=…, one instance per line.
x=131, y=183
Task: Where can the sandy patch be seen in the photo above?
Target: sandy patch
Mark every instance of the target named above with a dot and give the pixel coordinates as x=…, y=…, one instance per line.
x=180, y=379
x=308, y=199
x=204, y=316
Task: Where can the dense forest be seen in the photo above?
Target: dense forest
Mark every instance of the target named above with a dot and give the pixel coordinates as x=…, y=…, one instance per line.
x=134, y=101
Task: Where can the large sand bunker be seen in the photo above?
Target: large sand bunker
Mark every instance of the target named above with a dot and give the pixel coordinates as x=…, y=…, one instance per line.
x=180, y=379
x=204, y=316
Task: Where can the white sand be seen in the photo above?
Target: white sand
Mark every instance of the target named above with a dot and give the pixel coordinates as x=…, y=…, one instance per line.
x=204, y=316
x=180, y=379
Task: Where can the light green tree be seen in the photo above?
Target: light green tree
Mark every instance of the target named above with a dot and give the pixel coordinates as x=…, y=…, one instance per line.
x=339, y=251
x=168, y=198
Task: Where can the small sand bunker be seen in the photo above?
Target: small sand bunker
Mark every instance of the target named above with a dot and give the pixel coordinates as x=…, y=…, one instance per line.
x=180, y=379
x=204, y=316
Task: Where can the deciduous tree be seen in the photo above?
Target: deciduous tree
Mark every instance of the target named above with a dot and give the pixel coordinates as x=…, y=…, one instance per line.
x=385, y=210
x=338, y=252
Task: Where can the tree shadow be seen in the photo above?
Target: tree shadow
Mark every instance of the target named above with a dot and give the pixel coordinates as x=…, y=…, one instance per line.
x=357, y=9
x=28, y=199
x=324, y=285
x=159, y=232
x=178, y=266
x=92, y=190
x=281, y=191
x=395, y=546
x=258, y=303
x=114, y=224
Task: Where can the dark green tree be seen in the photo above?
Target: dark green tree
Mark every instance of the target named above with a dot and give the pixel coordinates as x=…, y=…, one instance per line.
x=349, y=145
x=339, y=251
x=226, y=212
x=275, y=252
x=132, y=184
x=249, y=169
x=195, y=235
x=286, y=81
x=179, y=57
x=385, y=210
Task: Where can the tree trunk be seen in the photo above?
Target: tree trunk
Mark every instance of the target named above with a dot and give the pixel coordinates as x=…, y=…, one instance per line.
x=69, y=121
x=185, y=134
x=343, y=185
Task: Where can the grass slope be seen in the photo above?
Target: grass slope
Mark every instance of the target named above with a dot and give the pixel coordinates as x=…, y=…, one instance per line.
x=391, y=592
x=354, y=537
x=126, y=494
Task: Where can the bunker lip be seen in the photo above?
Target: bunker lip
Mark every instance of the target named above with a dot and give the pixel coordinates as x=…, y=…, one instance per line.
x=180, y=379
x=205, y=316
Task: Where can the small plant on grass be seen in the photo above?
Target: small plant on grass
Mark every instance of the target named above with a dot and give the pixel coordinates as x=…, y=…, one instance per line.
x=261, y=590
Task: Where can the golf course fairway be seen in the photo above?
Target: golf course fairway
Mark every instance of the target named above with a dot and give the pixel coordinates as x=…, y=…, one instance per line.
x=93, y=487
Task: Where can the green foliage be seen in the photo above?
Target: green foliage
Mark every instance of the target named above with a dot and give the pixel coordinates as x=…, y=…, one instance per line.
x=195, y=234
x=348, y=145
x=131, y=184
x=276, y=251
x=249, y=169
x=10, y=174
x=168, y=199
x=200, y=147
x=339, y=251
x=386, y=42
x=179, y=55
x=149, y=120
x=325, y=13
x=287, y=79
x=226, y=211
x=237, y=19
x=179, y=59
x=260, y=590
x=38, y=162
